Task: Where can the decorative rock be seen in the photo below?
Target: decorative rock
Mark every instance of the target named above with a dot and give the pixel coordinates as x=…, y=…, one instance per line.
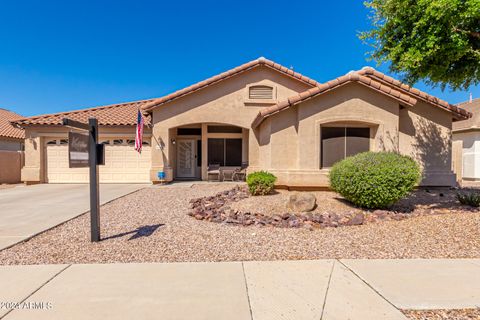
x=216, y=209
x=317, y=218
x=301, y=202
x=277, y=217
x=356, y=220
x=294, y=223
x=380, y=213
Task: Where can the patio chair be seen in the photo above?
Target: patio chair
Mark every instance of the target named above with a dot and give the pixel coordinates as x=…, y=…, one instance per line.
x=213, y=170
x=240, y=174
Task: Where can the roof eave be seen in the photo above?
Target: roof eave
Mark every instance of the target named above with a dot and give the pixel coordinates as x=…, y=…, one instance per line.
x=405, y=98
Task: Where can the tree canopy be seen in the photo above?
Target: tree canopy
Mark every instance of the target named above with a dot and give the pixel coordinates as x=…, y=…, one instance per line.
x=437, y=41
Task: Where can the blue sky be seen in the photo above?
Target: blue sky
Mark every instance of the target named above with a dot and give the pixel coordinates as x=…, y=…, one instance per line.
x=63, y=55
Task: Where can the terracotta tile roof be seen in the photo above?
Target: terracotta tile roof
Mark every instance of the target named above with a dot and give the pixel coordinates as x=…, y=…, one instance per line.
x=225, y=75
x=111, y=115
x=374, y=74
x=472, y=123
x=373, y=79
x=6, y=128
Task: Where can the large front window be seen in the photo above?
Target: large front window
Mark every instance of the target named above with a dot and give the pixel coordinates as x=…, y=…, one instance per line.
x=225, y=152
x=341, y=142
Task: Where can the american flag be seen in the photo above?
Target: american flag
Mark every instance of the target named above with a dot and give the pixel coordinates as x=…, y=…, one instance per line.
x=139, y=132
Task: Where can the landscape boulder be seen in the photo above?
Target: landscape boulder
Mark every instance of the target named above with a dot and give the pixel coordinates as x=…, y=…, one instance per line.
x=301, y=202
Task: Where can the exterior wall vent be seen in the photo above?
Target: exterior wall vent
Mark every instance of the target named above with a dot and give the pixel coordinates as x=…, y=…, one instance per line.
x=260, y=92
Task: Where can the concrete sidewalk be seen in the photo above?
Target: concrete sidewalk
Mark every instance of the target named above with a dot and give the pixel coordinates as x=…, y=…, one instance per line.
x=27, y=211
x=323, y=289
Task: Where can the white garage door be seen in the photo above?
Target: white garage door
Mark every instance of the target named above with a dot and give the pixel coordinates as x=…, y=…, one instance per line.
x=122, y=163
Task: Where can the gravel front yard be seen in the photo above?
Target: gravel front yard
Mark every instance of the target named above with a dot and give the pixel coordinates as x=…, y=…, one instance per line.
x=462, y=314
x=152, y=225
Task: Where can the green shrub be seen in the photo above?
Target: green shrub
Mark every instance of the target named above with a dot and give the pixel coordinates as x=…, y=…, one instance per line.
x=375, y=180
x=469, y=197
x=260, y=183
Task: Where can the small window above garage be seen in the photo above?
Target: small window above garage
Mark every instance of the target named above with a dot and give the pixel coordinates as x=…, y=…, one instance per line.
x=118, y=142
x=51, y=142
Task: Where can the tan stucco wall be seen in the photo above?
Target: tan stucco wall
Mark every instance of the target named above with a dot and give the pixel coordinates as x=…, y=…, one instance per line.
x=425, y=135
x=222, y=103
x=11, y=163
x=36, y=137
x=290, y=140
x=457, y=157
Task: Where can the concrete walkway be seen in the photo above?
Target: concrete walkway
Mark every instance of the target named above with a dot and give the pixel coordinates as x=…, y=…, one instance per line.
x=323, y=289
x=27, y=211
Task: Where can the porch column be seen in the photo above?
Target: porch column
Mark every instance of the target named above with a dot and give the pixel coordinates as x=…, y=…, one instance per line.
x=34, y=169
x=204, y=151
x=245, y=137
x=160, y=153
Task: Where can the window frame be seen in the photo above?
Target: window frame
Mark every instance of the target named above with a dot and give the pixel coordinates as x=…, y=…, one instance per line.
x=250, y=101
x=345, y=136
x=224, y=156
x=260, y=86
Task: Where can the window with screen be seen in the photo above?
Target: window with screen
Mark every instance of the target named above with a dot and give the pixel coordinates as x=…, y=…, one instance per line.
x=216, y=151
x=341, y=142
x=225, y=152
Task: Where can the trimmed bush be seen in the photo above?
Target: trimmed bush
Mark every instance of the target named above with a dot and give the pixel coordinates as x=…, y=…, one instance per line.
x=375, y=180
x=469, y=197
x=260, y=183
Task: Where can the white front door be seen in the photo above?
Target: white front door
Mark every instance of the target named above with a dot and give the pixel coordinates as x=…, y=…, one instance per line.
x=186, y=158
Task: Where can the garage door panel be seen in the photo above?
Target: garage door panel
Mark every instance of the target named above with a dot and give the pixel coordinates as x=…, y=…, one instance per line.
x=144, y=165
x=122, y=165
x=118, y=153
x=131, y=165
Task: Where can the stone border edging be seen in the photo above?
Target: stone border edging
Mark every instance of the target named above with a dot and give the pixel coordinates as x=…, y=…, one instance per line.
x=216, y=209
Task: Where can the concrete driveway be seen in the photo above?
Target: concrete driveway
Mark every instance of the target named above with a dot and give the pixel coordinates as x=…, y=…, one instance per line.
x=27, y=211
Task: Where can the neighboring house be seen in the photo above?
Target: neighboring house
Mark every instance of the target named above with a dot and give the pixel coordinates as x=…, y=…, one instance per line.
x=11, y=146
x=466, y=143
x=261, y=113
x=11, y=137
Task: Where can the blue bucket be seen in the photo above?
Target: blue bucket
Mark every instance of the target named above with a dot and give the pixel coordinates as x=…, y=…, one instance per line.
x=161, y=175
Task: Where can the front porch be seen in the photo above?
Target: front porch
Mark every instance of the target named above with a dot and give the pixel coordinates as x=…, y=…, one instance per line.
x=195, y=147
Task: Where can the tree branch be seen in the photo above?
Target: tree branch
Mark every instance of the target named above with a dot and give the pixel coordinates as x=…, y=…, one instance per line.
x=473, y=34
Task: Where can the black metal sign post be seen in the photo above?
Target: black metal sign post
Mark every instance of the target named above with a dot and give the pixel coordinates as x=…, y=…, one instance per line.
x=93, y=162
x=94, y=193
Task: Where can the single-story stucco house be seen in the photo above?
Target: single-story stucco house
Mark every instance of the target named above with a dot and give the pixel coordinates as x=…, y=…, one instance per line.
x=466, y=143
x=259, y=113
